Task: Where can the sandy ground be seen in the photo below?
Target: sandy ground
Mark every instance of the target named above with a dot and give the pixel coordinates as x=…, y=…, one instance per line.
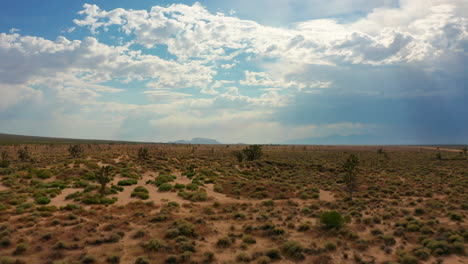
x=59, y=200
x=443, y=149
x=3, y=187
x=326, y=196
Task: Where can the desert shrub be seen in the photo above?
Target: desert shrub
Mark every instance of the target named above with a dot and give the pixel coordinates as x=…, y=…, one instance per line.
x=114, y=259
x=263, y=260
x=422, y=253
x=43, y=200
x=172, y=233
x=330, y=246
x=165, y=187
x=304, y=227
x=142, y=260
x=419, y=211
x=456, y=216
x=218, y=188
x=43, y=174
x=437, y=247
x=224, y=242
x=140, y=192
x=243, y=257
x=154, y=245
x=95, y=199
x=127, y=182
x=408, y=259
x=389, y=240
x=161, y=217
x=293, y=250
x=249, y=239
x=163, y=179
x=172, y=259
x=88, y=259
x=139, y=234
x=5, y=241
x=179, y=186
x=331, y=219
x=192, y=187
x=20, y=249
x=4, y=162
x=185, y=228
x=196, y=196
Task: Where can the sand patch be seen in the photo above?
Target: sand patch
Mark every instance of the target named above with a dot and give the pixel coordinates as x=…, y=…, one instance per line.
x=326, y=196
x=59, y=200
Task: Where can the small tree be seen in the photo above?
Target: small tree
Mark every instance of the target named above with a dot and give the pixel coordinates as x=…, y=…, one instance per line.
x=76, y=151
x=350, y=178
x=143, y=153
x=4, y=163
x=23, y=154
x=332, y=219
x=103, y=178
x=239, y=155
x=253, y=152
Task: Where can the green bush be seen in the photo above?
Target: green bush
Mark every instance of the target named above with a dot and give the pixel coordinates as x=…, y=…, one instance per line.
x=164, y=179
x=165, y=187
x=154, y=245
x=43, y=200
x=293, y=250
x=127, y=182
x=43, y=174
x=332, y=219
x=140, y=192
x=192, y=186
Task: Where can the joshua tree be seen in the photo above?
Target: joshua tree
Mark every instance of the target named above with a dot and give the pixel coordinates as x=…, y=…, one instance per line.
x=103, y=178
x=23, y=154
x=76, y=151
x=464, y=150
x=143, y=153
x=253, y=152
x=350, y=177
x=4, y=163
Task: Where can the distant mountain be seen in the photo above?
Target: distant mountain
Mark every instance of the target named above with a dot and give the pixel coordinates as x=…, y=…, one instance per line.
x=197, y=141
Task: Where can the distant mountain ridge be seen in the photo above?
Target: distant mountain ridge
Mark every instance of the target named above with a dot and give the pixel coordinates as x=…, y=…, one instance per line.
x=197, y=141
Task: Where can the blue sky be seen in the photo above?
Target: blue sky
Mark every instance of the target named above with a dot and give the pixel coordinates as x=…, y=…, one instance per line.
x=257, y=71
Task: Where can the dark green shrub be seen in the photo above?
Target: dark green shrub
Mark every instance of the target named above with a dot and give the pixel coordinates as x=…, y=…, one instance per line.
x=165, y=187
x=273, y=253
x=331, y=219
x=43, y=174
x=127, y=182
x=43, y=200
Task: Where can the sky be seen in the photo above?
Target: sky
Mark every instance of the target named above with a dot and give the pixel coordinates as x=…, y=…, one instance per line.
x=256, y=71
